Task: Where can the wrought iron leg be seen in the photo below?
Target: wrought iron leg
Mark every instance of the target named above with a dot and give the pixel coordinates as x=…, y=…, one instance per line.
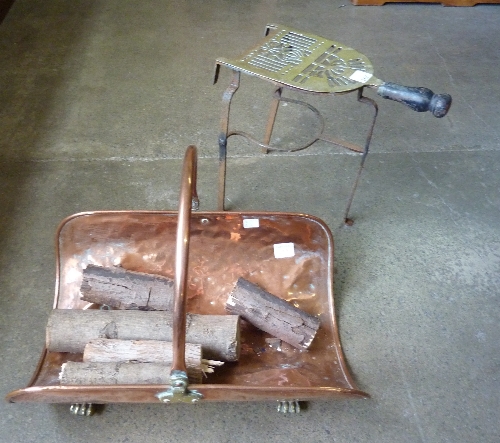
x=272, y=117
x=361, y=98
x=224, y=127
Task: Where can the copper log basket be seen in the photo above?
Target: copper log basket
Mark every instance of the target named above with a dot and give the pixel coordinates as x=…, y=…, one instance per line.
x=217, y=248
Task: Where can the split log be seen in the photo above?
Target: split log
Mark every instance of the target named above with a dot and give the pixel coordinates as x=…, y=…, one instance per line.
x=122, y=289
x=104, y=350
x=69, y=330
x=272, y=314
x=118, y=373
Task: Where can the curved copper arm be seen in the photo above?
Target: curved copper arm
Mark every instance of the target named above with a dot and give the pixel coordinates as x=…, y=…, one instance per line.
x=188, y=192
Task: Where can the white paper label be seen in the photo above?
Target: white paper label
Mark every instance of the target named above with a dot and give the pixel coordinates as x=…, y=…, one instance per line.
x=251, y=223
x=284, y=250
x=360, y=76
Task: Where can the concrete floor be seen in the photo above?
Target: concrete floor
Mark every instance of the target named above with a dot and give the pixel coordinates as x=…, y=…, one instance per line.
x=98, y=101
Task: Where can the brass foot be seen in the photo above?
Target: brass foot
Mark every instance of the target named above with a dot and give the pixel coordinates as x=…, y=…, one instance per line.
x=288, y=406
x=86, y=409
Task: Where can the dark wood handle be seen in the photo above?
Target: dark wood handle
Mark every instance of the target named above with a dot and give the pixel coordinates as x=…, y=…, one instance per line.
x=188, y=191
x=417, y=98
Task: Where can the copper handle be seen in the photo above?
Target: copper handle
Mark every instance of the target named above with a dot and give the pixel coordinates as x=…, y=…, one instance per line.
x=188, y=196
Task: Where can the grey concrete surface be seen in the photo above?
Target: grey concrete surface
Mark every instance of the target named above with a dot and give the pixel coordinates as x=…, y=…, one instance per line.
x=98, y=101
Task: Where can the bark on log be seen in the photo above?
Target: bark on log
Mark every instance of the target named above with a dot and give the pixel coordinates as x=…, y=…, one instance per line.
x=272, y=314
x=69, y=330
x=123, y=289
x=118, y=373
x=104, y=350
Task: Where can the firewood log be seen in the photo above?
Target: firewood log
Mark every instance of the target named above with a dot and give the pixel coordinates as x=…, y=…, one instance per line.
x=119, y=373
x=69, y=330
x=122, y=289
x=272, y=314
x=103, y=350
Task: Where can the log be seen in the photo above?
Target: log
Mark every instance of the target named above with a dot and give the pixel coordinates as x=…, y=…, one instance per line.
x=69, y=330
x=272, y=314
x=122, y=289
x=118, y=373
x=104, y=350
x=147, y=351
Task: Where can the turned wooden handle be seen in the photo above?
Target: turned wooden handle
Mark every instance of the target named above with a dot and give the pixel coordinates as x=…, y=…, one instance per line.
x=188, y=191
x=417, y=98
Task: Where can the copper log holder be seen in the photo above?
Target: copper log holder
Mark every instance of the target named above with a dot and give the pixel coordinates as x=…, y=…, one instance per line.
x=206, y=252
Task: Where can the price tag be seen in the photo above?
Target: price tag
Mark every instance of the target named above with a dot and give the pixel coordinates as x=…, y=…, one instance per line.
x=284, y=250
x=251, y=223
x=360, y=76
